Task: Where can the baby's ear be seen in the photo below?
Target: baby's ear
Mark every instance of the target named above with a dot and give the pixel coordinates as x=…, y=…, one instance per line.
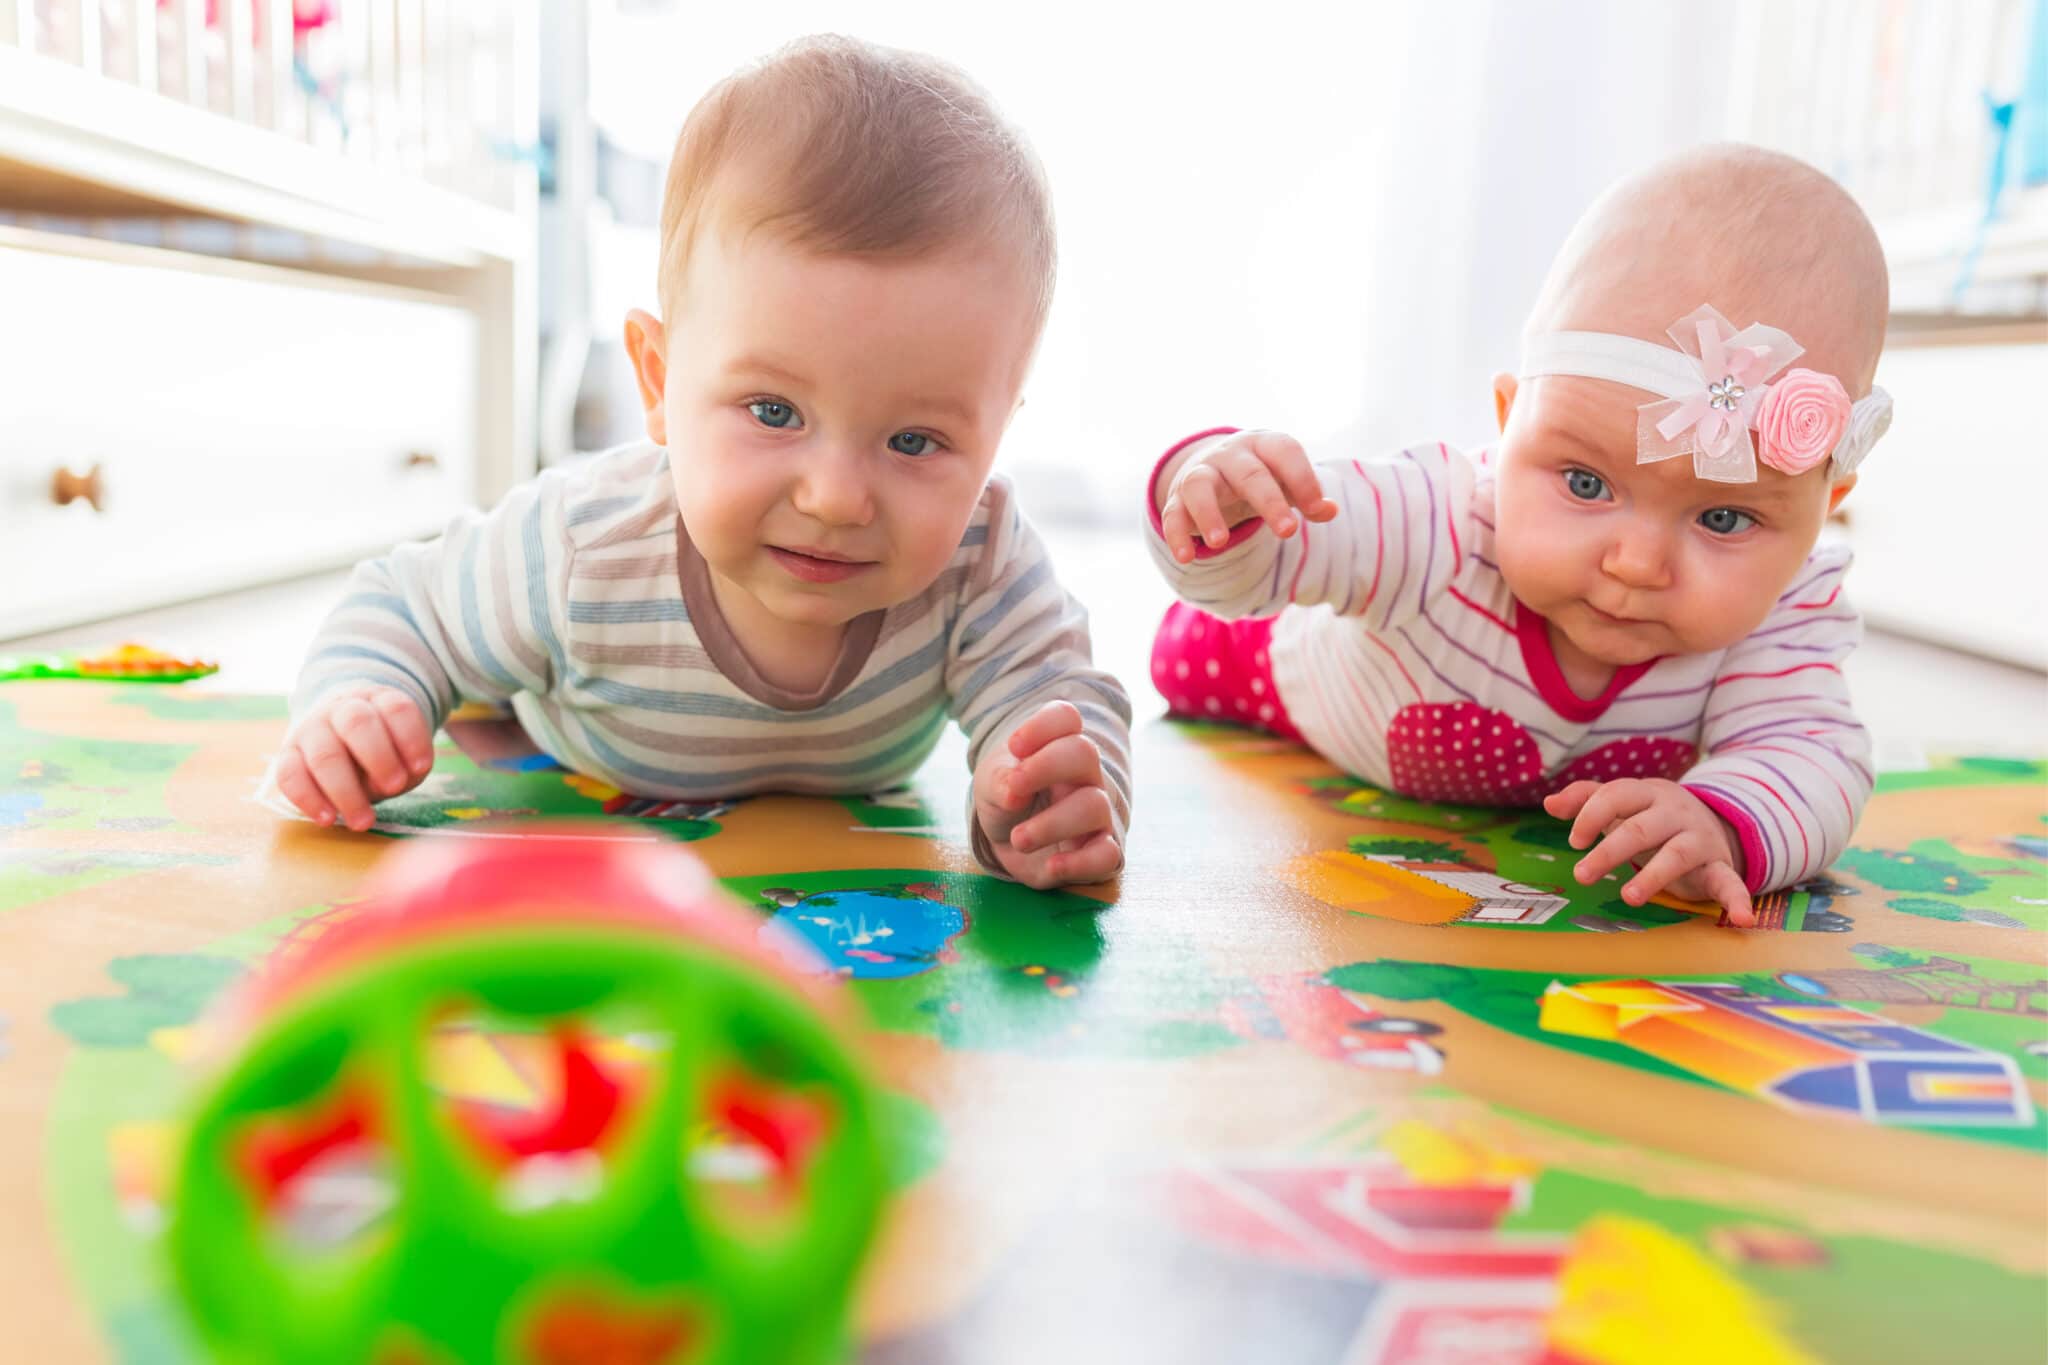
x=647, y=348
x=1840, y=491
x=1504, y=387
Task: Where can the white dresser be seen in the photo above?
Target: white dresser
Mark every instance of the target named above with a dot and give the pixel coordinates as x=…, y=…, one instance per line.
x=266, y=291
x=212, y=424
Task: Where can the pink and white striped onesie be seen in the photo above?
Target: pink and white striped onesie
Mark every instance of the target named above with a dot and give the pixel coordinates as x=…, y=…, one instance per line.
x=1396, y=651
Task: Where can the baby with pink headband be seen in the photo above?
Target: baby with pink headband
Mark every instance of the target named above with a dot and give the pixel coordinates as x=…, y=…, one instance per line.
x=1619, y=611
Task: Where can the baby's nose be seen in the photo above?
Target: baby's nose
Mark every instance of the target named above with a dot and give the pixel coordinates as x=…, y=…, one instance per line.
x=1639, y=557
x=833, y=489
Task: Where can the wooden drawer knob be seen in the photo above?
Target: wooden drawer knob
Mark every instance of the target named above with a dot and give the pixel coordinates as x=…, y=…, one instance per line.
x=67, y=487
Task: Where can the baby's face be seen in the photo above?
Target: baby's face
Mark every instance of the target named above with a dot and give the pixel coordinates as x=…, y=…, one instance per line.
x=1632, y=561
x=831, y=420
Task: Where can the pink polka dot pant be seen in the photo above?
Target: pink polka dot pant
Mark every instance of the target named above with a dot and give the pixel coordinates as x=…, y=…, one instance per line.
x=1211, y=669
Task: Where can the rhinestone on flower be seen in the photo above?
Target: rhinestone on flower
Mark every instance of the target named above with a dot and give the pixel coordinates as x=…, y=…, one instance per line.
x=1726, y=394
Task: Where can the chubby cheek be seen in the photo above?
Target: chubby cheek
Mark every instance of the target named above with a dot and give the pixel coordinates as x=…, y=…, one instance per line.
x=1521, y=574
x=686, y=470
x=1540, y=560
x=700, y=515
x=925, y=558
x=929, y=513
x=717, y=504
x=1704, y=622
x=1722, y=599
x=924, y=533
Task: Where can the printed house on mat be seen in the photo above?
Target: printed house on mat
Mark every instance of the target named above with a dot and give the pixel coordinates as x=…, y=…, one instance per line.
x=1802, y=1053
x=1447, y=893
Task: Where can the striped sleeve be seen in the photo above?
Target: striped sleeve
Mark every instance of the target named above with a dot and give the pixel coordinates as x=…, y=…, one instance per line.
x=475, y=613
x=1787, y=762
x=1398, y=540
x=1020, y=640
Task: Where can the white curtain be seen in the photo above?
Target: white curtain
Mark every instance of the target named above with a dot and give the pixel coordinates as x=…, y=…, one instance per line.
x=1330, y=219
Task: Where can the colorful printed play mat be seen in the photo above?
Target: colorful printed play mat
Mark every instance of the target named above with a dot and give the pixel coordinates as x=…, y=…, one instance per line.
x=1329, y=1077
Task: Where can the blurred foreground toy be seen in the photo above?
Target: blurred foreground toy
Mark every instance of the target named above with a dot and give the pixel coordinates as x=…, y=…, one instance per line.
x=125, y=663
x=699, y=1183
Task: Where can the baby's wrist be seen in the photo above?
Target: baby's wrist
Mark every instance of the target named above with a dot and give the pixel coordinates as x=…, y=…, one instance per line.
x=1731, y=840
x=1746, y=852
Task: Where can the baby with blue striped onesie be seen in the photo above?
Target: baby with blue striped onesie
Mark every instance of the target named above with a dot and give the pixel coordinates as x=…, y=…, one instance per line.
x=808, y=567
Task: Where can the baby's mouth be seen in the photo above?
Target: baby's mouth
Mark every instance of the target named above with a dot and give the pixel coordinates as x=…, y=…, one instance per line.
x=817, y=565
x=1609, y=618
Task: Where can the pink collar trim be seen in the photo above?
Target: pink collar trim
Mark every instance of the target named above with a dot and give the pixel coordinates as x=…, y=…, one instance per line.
x=1533, y=633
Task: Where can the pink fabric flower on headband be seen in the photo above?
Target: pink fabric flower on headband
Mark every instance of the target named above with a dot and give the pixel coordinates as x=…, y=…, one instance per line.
x=1713, y=388
x=1711, y=423
x=1800, y=420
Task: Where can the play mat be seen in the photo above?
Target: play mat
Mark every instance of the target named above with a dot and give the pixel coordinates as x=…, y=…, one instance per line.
x=1330, y=1076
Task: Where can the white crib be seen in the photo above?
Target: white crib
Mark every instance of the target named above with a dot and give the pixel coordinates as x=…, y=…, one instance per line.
x=1889, y=97
x=1893, y=98
x=266, y=287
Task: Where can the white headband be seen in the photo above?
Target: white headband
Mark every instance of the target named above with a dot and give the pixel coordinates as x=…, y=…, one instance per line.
x=1714, y=390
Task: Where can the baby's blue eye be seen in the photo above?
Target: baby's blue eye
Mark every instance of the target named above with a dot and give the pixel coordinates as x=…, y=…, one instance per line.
x=770, y=413
x=912, y=443
x=1584, y=484
x=1726, y=521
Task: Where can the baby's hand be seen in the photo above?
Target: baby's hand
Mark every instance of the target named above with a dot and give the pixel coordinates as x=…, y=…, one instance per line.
x=1071, y=839
x=359, y=745
x=1697, y=854
x=1223, y=481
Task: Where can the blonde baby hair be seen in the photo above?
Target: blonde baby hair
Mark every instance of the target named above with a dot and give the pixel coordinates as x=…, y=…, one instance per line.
x=846, y=147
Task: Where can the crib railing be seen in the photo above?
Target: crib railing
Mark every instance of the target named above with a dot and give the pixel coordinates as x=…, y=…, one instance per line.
x=1910, y=104
x=422, y=88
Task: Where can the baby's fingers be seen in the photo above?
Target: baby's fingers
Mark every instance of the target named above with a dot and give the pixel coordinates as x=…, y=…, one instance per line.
x=1285, y=459
x=299, y=788
x=1724, y=884
x=1081, y=812
x=361, y=727
x=1097, y=860
x=410, y=734
x=1198, y=493
x=1614, y=801
x=1248, y=479
x=334, y=772
x=1177, y=529
x=1647, y=828
x=1071, y=759
x=1054, y=720
x=1567, y=802
x=1678, y=857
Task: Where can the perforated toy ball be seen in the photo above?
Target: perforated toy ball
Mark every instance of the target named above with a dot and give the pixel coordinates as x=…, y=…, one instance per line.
x=540, y=1099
